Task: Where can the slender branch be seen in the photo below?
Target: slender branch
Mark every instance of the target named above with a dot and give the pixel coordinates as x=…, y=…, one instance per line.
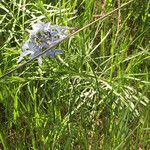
x=61, y=40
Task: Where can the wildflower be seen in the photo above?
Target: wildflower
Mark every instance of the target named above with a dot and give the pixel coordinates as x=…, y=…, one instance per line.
x=40, y=38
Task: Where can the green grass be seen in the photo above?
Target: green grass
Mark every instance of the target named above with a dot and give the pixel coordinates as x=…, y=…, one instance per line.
x=95, y=96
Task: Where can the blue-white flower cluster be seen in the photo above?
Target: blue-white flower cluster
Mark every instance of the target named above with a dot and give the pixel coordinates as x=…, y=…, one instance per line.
x=41, y=37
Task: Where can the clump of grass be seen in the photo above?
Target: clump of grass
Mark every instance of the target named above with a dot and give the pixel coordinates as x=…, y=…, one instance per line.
x=95, y=96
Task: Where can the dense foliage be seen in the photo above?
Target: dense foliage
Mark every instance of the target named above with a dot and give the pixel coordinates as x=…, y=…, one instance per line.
x=95, y=95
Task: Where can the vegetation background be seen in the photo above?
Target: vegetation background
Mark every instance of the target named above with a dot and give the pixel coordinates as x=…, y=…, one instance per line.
x=95, y=96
